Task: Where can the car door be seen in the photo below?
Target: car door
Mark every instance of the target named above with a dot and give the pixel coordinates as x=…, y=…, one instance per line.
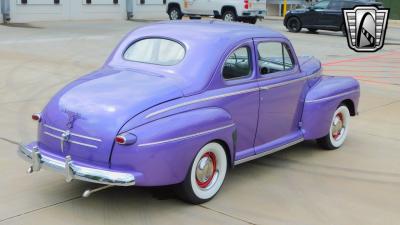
x=333, y=17
x=197, y=7
x=314, y=18
x=239, y=83
x=282, y=89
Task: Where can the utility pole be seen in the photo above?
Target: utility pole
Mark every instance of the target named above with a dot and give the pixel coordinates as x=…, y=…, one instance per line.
x=284, y=7
x=5, y=10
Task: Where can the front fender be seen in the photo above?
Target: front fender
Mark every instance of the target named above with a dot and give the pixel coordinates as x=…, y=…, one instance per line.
x=323, y=99
x=166, y=147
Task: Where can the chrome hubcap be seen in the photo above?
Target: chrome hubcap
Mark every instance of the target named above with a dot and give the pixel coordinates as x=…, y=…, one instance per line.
x=293, y=25
x=206, y=169
x=338, y=126
x=174, y=14
x=228, y=17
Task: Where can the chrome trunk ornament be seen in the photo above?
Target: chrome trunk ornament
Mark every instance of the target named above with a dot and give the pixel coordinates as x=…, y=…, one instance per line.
x=64, y=138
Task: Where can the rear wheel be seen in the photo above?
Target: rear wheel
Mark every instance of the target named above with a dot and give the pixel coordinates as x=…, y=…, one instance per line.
x=175, y=13
x=338, y=129
x=253, y=20
x=206, y=175
x=293, y=24
x=229, y=15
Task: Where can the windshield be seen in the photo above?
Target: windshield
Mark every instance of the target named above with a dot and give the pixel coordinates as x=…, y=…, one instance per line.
x=155, y=51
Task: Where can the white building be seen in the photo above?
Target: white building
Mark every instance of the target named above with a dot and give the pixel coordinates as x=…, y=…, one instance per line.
x=38, y=10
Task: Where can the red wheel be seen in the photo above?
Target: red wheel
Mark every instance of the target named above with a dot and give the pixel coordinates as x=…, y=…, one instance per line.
x=206, y=174
x=338, y=129
x=206, y=169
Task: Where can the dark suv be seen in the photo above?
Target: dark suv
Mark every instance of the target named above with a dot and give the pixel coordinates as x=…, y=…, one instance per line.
x=325, y=15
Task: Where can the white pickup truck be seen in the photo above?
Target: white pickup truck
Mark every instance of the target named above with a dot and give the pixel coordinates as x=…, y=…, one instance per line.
x=229, y=10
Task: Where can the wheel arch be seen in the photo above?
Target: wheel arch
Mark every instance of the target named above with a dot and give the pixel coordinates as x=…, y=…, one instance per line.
x=350, y=105
x=228, y=151
x=173, y=4
x=228, y=7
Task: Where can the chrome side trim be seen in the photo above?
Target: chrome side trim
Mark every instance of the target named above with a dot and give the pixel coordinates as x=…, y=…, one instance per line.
x=240, y=161
x=73, y=171
x=332, y=97
x=187, y=136
x=267, y=87
x=227, y=95
x=69, y=141
x=201, y=100
x=73, y=134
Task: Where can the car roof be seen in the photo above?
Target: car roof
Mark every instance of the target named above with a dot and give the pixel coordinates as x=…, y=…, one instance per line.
x=212, y=29
x=206, y=43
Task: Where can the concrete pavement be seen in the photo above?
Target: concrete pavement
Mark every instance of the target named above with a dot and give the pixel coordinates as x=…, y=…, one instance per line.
x=358, y=184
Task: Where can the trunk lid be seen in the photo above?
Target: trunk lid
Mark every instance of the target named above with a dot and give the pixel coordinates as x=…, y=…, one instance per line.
x=92, y=110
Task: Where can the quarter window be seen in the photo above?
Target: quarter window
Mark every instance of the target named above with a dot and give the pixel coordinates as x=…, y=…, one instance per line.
x=238, y=64
x=155, y=51
x=274, y=57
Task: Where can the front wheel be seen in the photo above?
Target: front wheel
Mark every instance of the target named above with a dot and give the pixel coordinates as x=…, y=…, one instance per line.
x=338, y=129
x=206, y=175
x=293, y=24
x=175, y=13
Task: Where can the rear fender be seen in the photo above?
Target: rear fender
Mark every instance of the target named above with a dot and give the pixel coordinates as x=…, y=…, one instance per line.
x=166, y=147
x=323, y=99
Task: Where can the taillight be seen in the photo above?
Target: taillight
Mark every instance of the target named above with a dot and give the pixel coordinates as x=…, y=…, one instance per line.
x=126, y=139
x=246, y=4
x=36, y=117
x=120, y=139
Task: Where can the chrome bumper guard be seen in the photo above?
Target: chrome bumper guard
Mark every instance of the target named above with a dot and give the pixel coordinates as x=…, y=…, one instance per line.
x=73, y=171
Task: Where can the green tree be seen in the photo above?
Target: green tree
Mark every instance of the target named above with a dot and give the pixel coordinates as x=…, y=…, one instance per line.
x=394, y=6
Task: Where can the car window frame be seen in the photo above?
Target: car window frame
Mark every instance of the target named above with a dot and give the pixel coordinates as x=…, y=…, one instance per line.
x=153, y=37
x=253, y=71
x=282, y=73
x=327, y=6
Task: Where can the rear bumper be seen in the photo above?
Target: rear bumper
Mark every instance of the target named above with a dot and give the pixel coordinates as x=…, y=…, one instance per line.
x=73, y=171
x=254, y=13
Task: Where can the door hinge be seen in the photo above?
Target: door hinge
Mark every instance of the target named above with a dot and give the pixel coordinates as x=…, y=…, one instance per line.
x=300, y=124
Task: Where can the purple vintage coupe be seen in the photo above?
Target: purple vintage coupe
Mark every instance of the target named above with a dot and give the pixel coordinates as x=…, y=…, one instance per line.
x=178, y=103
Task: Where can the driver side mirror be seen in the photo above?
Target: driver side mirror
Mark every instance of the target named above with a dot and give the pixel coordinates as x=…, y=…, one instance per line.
x=311, y=8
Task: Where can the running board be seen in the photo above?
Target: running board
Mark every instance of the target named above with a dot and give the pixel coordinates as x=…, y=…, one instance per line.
x=240, y=161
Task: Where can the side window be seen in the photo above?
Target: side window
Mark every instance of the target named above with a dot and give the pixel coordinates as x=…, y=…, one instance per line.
x=274, y=57
x=335, y=5
x=349, y=4
x=238, y=64
x=321, y=5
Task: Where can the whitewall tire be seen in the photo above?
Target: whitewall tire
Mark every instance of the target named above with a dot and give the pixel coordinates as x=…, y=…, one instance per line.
x=206, y=174
x=338, y=130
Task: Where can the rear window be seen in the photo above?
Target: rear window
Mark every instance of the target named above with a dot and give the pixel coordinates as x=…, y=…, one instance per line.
x=155, y=51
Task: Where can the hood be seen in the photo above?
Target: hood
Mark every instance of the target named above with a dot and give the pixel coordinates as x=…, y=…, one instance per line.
x=94, y=108
x=297, y=11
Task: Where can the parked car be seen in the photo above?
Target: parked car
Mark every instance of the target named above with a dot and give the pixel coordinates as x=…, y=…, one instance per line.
x=324, y=15
x=229, y=10
x=172, y=108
